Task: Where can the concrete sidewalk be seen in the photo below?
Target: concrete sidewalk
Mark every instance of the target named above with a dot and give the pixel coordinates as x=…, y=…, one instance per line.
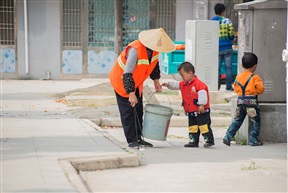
x=41, y=140
x=37, y=132
x=169, y=167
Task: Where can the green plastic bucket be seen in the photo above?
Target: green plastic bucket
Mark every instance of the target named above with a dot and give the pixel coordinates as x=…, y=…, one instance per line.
x=156, y=122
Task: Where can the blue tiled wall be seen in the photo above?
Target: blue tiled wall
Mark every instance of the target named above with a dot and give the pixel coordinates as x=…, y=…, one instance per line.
x=7, y=60
x=72, y=62
x=100, y=63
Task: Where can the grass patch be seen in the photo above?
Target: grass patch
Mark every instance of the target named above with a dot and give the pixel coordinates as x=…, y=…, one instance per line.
x=251, y=166
x=226, y=100
x=176, y=137
x=240, y=139
x=167, y=93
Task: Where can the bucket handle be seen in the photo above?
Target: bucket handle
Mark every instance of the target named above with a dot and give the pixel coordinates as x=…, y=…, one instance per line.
x=153, y=93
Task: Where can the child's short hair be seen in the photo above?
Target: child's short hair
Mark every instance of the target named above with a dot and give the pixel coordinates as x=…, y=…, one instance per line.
x=219, y=8
x=249, y=60
x=187, y=67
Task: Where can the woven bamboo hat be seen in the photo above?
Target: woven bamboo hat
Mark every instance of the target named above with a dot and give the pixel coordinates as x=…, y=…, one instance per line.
x=157, y=40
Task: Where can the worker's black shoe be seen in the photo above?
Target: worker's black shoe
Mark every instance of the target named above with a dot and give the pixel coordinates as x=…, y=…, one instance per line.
x=145, y=143
x=134, y=145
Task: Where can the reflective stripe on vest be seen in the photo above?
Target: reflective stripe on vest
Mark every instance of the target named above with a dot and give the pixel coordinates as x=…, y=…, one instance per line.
x=141, y=71
x=140, y=62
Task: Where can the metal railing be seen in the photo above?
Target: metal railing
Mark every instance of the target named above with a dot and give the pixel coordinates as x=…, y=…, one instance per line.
x=166, y=16
x=101, y=23
x=72, y=23
x=7, y=25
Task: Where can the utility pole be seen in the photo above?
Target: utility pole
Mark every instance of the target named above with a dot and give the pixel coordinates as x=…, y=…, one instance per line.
x=118, y=26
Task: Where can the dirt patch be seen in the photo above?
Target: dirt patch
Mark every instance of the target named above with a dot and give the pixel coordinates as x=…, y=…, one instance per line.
x=91, y=102
x=100, y=89
x=84, y=98
x=99, y=101
x=104, y=95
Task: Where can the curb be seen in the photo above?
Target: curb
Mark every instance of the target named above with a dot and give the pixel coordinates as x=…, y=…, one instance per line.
x=175, y=122
x=73, y=177
x=103, y=162
x=73, y=166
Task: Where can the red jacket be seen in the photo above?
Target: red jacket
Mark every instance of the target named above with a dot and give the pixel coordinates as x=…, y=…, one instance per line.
x=189, y=91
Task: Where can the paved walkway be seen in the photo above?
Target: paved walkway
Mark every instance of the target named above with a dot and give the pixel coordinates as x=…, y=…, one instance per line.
x=36, y=132
x=169, y=167
x=38, y=135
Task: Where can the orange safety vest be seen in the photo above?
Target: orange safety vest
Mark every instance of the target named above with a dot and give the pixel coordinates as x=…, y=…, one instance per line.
x=141, y=72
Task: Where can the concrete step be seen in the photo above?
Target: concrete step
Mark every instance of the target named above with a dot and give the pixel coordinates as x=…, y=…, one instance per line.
x=176, y=121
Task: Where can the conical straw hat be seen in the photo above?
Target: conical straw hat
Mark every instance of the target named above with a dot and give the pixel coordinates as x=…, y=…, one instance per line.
x=157, y=40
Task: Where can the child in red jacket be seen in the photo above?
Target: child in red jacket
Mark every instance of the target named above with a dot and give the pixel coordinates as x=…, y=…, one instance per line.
x=195, y=97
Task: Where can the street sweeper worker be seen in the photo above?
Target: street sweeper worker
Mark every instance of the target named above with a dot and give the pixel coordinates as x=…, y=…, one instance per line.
x=138, y=61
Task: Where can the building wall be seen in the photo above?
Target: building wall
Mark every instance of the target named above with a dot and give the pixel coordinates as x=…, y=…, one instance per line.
x=192, y=10
x=183, y=13
x=43, y=39
x=44, y=29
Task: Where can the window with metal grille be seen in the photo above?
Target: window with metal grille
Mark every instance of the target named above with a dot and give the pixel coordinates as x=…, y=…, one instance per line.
x=135, y=19
x=101, y=23
x=163, y=14
x=7, y=22
x=71, y=26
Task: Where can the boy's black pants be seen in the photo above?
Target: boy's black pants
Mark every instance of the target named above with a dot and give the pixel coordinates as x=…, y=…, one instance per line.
x=128, y=118
x=200, y=123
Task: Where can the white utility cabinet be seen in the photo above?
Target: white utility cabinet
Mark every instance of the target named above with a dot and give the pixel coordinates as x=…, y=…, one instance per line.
x=201, y=49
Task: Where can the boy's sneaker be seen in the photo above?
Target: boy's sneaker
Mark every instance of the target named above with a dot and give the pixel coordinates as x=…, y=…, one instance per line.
x=230, y=89
x=134, y=145
x=208, y=144
x=255, y=143
x=226, y=141
x=145, y=143
x=191, y=144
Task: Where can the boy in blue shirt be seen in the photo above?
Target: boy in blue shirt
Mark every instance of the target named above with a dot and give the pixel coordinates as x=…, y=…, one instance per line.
x=226, y=36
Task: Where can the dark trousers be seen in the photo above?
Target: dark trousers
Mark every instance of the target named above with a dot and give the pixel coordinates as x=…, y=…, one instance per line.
x=200, y=123
x=128, y=119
